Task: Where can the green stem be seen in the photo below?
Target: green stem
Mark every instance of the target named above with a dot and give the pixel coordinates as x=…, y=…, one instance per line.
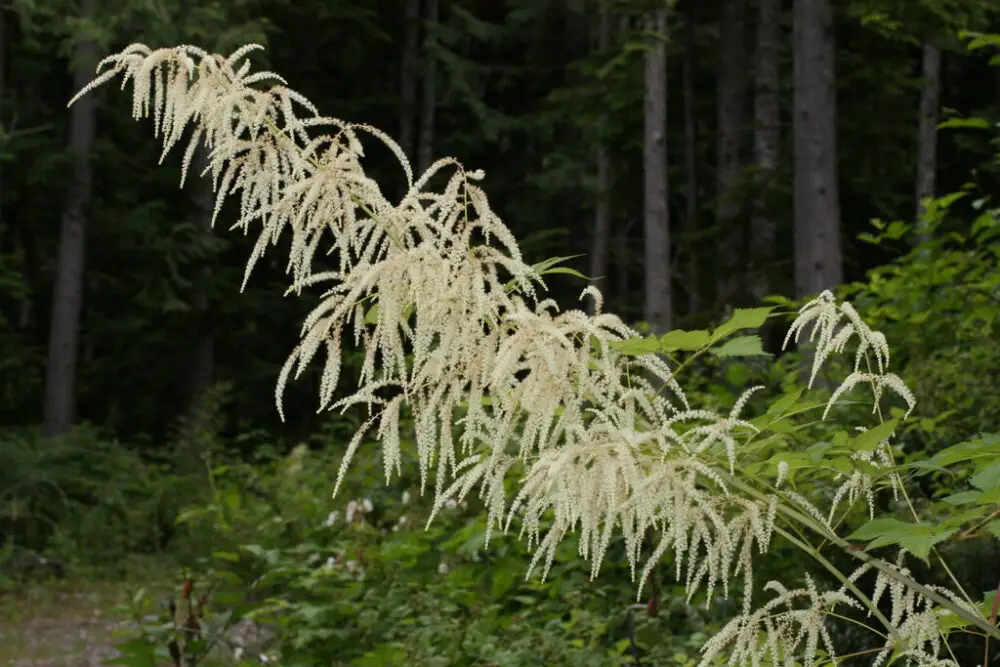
x=878, y=564
x=894, y=636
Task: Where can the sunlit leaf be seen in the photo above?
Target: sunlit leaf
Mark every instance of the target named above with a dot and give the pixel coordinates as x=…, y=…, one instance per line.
x=637, y=346
x=986, y=445
x=681, y=340
x=742, y=346
x=871, y=438
x=917, y=538
x=743, y=318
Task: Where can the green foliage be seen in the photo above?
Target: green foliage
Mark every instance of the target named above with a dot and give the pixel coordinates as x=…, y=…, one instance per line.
x=939, y=302
x=364, y=583
x=80, y=490
x=94, y=502
x=701, y=341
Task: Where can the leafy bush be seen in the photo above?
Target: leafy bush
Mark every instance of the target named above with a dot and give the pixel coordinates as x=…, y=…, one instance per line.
x=362, y=582
x=80, y=492
x=938, y=304
x=96, y=503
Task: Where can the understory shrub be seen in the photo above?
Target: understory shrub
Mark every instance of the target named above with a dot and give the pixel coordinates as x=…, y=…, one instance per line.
x=95, y=504
x=360, y=581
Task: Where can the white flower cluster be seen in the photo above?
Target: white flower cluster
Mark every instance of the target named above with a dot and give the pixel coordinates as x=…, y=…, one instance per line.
x=355, y=509
x=456, y=330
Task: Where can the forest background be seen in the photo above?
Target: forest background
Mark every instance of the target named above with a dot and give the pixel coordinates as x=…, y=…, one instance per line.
x=689, y=158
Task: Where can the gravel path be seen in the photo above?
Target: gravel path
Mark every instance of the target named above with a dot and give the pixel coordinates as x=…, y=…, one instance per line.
x=75, y=626
x=56, y=628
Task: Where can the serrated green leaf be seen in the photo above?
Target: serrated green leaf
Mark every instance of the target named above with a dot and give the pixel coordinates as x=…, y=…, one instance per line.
x=957, y=521
x=783, y=426
x=897, y=230
x=817, y=451
x=988, y=479
x=681, y=340
x=741, y=346
x=636, y=347
x=743, y=318
x=966, y=123
x=986, y=445
x=991, y=497
x=842, y=464
x=795, y=460
x=786, y=401
x=963, y=498
x=871, y=438
x=994, y=528
x=917, y=538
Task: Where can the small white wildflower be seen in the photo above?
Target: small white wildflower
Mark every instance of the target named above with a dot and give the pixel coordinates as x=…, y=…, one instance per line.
x=366, y=505
x=406, y=497
x=783, y=468
x=450, y=504
x=403, y=520
x=349, y=512
x=442, y=568
x=330, y=563
x=352, y=566
x=238, y=652
x=332, y=518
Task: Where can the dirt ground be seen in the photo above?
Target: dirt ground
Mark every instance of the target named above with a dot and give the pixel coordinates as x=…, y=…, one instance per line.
x=49, y=626
x=77, y=625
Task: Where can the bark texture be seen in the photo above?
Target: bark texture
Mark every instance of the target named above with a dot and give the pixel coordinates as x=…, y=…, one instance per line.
x=425, y=153
x=67, y=299
x=658, y=293
x=731, y=113
x=818, y=263
x=600, y=249
x=409, y=73
x=767, y=141
x=692, y=221
x=201, y=369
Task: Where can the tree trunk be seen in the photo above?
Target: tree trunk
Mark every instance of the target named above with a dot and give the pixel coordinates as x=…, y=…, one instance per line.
x=658, y=306
x=429, y=104
x=930, y=113
x=767, y=142
x=817, y=206
x=691, y=208
x=731, y=95
x=409, y=73
x=600, y=248
x=201, y=369
x=60, y=376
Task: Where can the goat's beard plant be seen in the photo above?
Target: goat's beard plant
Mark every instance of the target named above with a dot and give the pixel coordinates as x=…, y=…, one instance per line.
x=456, y=330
